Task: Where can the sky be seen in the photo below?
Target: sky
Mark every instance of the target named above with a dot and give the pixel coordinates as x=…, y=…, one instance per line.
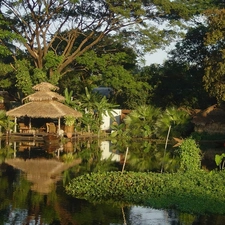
x=158, y=57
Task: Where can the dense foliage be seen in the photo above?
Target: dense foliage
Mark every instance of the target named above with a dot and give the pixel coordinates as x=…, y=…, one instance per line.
x=80, y=44
x=202, y=52
x=147, y=121
x=51, y=35
x=199, y=192
x=190, y=156
x=214, y=40
x=178, y=82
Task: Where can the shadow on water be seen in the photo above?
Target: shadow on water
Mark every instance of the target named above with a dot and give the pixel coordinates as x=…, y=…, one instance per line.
x=33, y=176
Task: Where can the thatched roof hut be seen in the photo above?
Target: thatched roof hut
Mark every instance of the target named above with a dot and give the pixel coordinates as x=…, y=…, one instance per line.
x=43, y=173
x=44, y=104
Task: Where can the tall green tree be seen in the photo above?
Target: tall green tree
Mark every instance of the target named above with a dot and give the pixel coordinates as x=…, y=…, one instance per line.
x=202, y=50
x=185, y=72
x=191, y=49
x=176, y=83
x=110, y=65
x=214, y=78
x=7, y=47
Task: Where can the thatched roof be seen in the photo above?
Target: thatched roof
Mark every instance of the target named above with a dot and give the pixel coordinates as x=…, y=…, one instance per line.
x=44, y=96
x=210, y=120
x=212, y=114
x=45, y=86
x=43, y=109
x=43, y=173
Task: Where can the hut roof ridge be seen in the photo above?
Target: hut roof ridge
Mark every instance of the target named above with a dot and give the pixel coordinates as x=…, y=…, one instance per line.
x=45, y=86
x=44, y=95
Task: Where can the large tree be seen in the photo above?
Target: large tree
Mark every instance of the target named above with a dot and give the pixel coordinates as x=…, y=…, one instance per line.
x=185, y=70
x=41, y=24
x=176, y=83
x=202, y=50
x=214, y=77
x=6, y=48
x=110, y=64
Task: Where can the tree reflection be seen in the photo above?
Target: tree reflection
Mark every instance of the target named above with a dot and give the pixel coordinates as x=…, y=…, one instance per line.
x=34, y=203
x=92, y=161
x=149, y=156
x=6, y=152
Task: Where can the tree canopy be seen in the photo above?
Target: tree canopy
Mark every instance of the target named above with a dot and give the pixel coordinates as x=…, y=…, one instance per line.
x=53, y=34
x=87, y=43
x=202, y=49
x=214, y=77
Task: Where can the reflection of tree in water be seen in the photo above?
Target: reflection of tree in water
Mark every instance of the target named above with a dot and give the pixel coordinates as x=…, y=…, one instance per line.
x=148, y=156
x=26, y=206
x=92, y=161
x=20, y=204
x=17, y=200
x=6, y=152
x=83, y=212
x=7, y=178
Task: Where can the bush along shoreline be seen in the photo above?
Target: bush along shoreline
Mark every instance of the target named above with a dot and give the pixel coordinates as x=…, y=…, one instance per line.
x=190, y=189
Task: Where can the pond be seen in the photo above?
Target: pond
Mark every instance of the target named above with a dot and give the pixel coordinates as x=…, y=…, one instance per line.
x=33, y=175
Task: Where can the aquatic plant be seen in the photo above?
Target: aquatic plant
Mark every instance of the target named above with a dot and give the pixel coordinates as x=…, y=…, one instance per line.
x=199, y=192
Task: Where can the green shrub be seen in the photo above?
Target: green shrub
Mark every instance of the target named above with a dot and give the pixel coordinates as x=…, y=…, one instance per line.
x=190, y=155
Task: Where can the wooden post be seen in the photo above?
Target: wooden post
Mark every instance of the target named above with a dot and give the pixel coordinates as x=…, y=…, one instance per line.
x=125, y=159
x=59, y=126
x=15, y=124
x=167, y=138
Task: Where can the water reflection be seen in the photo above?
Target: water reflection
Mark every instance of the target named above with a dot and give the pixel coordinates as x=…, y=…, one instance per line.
x=33, y=174
x=42, y=173
x=146, y=216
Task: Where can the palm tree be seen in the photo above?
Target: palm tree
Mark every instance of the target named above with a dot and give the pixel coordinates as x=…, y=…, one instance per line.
x=5, y=123
x=148, y=156
x=176, y=119
x=141, y=122
x=94, y=107
x=172, y=122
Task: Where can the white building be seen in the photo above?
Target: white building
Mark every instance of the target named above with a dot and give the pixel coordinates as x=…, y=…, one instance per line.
x=108, y=121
